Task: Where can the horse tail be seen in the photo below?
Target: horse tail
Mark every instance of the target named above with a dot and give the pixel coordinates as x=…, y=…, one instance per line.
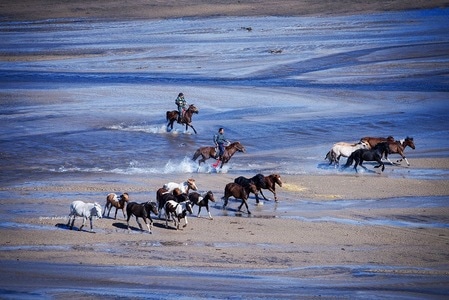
x=328, y=156
x=167, y=115
x=349, y=161
x=196, y=154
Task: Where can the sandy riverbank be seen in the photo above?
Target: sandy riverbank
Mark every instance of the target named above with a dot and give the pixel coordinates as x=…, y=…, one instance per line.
x=272, y=237
x=51, y=9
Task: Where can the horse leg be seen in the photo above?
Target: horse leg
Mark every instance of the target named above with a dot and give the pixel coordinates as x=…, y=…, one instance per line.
x=148, y=225
x=91, y=223
x=105, y=207
x=127, y=221
x=115, y=216
x=167, y=216
x=82, y=225
x=274, y=192
x=199, y=210
x=140, y=225
x=357, y=161
x=225, y=202
x=185, y=219
x=191, y=127
x=381, y=164
x=386, y=157
x=408, y=164
x=246, y=204
x=208, y=212
x=71, y=218
x=360, y=164
x=265, y=198
x=174, y=221
x=123, y=211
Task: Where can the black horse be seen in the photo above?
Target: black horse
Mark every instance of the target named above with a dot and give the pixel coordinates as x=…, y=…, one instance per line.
x=141, y=210
x=361, y=155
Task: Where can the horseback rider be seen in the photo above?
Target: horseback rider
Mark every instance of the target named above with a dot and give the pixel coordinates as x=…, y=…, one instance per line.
x=220, y=141
x=181, y=103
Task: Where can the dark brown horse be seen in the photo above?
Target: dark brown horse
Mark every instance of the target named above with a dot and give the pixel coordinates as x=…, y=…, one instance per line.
x=172, y=116
x=237, y=191
x=212, y=152
x=261, y=182
x=141, y=210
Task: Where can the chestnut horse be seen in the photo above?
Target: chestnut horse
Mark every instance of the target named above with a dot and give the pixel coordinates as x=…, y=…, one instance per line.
x=373, y=141
x=118, y=202
x=397, y=147
x=212, y=152
x=172, y=116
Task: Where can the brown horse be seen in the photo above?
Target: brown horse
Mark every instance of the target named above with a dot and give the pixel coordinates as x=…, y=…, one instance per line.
x=118, y=202
x=186, y=119
x=373, y=141
x=395, y=147
x=211, y=152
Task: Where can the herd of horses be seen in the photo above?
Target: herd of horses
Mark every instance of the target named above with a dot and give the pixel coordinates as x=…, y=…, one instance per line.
x=176, y=200
x=369, y=149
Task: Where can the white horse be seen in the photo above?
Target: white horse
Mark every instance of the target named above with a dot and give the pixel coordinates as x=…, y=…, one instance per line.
x=344, y=149
x=183, y=186
x=84, y=210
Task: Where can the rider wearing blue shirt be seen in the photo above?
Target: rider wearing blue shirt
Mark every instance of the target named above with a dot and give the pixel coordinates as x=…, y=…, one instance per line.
x=220, y=141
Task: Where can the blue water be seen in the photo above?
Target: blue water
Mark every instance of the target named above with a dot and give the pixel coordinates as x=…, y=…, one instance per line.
x=90, y=97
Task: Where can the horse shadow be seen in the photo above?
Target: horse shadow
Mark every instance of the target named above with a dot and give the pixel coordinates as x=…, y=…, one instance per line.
x=136, y=228
x=64, y=226
x=67, y=227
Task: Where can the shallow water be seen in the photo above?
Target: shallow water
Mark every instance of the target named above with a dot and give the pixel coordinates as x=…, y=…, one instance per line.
x=347, y=282
x=90, y=97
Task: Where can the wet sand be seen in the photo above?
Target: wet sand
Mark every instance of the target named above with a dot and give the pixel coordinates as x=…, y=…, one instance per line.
x=41, y=252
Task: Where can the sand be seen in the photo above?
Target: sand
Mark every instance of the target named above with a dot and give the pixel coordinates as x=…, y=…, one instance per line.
x=118, y=9
x=267, y=239
x=234, y=240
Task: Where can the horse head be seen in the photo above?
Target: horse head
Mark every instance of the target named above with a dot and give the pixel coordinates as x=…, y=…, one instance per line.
x=209, y=195
x=277, y=179
x=193, y=109
x=191, y=184
x=124, y=197
x=409, y=142
x=365, y=145
x=238, y=146
x=151, y=207
x=96, y=210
